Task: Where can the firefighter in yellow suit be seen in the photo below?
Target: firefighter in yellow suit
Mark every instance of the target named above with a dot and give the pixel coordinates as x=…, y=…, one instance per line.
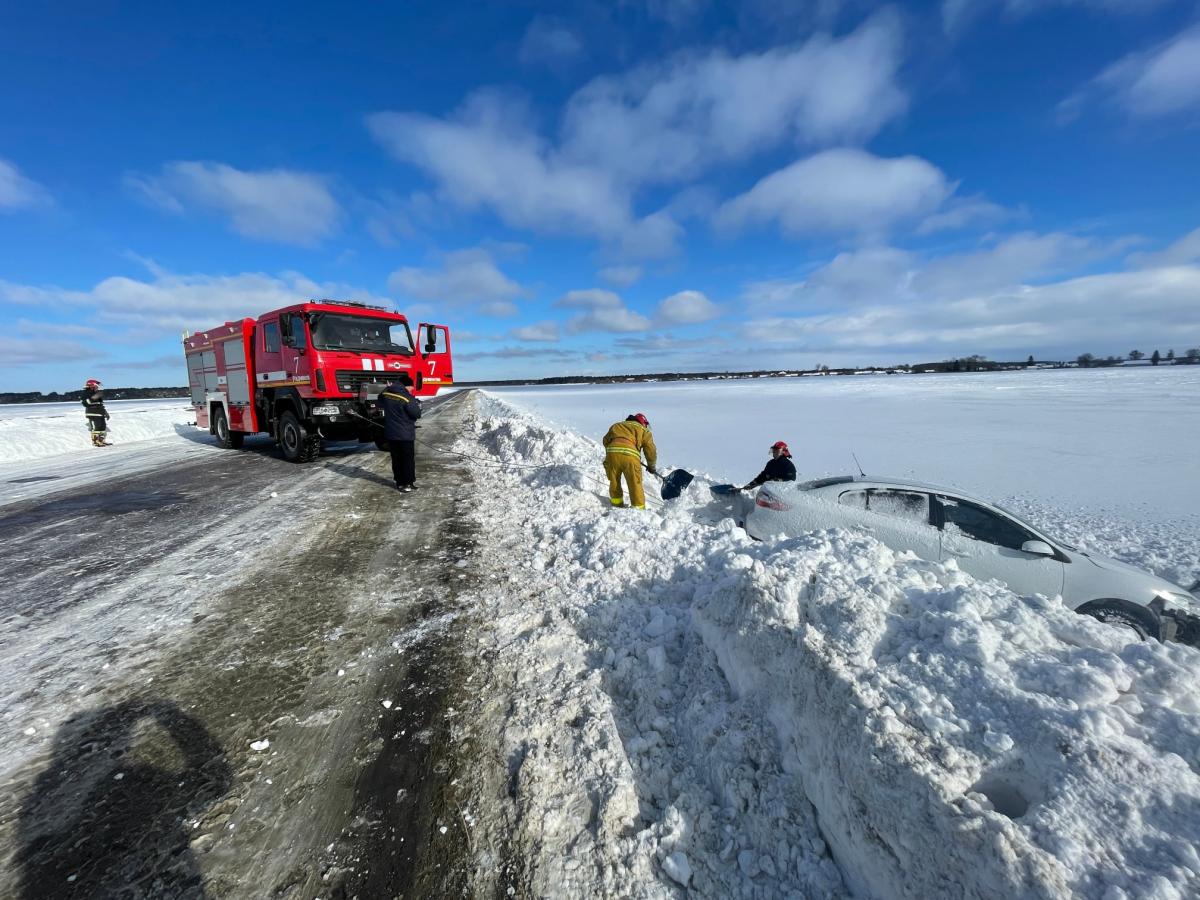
x=624, y=445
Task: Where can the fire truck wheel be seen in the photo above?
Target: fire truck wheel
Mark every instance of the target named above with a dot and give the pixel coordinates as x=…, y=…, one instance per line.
x=230, y=440
x=294, y=439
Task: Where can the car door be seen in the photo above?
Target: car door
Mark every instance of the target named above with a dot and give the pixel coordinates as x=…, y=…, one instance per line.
x=988, y=545
x=900, y=518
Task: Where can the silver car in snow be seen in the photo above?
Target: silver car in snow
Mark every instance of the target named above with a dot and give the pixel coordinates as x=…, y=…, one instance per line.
x=941, y=524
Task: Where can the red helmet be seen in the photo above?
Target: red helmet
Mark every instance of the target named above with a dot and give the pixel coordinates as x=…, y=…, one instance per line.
x=781, y=445
x=92, y=383
x=640, y=417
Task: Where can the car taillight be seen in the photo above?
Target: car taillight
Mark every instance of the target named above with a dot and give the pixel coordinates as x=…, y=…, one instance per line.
x=766, y=501
x=321, y=380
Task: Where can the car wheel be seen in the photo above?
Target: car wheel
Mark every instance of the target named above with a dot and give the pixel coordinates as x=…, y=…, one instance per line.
x=1143, y=622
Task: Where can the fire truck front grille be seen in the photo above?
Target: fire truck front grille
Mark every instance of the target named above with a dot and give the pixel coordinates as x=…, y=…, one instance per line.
x=349, y=380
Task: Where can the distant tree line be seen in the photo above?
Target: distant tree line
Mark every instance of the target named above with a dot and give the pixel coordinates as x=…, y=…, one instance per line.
x=1088, y=361
x=132, y=393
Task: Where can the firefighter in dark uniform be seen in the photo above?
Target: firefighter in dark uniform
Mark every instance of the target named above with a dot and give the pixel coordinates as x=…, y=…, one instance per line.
x=400, y=413
x=97, y=415
x=780, y=468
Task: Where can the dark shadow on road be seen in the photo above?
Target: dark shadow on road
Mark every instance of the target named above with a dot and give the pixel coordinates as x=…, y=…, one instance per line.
x=109, y=815
x=360, y=473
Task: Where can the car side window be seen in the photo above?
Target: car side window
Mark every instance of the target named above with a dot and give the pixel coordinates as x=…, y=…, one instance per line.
x=979, y=524
x=911, y=505
x=856, y=499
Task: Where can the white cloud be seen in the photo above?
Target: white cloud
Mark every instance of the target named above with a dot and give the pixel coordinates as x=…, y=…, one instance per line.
x=600, y=311
x=170, y=302
x=886, y=275
x=840, y=191
x=275, y=205
x=499, y=309
x=540, y=331
x=1161, y=81
x=1184, y=250
x=961, y=212
x=47, y=348
x=1000, y=298
x=686, y=308
x=17, y=191
x=1095, y=312
x=486, y=157
x=548, y=42
x=656, y=124
x=465, y=277
x=621, y=276
x=672, y=121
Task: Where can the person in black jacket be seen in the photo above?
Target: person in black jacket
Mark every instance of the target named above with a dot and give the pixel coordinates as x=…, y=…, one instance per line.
x=780, y=468
x=400, y=413
x=97, y=415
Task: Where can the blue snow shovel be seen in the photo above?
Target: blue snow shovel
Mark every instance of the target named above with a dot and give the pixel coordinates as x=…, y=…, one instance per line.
x=674, y=484
x=724, y=490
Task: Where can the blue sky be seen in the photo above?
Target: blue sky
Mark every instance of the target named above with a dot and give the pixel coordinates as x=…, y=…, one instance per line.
x=608, y=187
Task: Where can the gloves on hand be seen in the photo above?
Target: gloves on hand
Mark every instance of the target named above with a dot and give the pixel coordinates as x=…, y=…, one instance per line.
x=652, y=470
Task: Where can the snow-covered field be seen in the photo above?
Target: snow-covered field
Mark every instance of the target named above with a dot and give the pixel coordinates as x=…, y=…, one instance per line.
x=36, y=430
x=820, y=716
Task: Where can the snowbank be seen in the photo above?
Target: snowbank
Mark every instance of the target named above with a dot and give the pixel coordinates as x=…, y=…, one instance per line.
x=808, y=717
x=36, y=430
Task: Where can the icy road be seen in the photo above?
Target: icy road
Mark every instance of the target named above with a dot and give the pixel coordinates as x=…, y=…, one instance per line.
x=229, y=676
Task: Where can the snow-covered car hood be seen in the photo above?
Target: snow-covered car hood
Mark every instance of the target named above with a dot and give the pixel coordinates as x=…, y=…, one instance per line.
x=1153, y=582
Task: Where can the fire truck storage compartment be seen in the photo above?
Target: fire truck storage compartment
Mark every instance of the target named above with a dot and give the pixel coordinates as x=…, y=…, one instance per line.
x=202, y=374
x=237, y=379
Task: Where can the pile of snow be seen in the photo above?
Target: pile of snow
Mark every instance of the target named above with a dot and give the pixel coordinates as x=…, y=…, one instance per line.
x=37, y=430
x=807, y=717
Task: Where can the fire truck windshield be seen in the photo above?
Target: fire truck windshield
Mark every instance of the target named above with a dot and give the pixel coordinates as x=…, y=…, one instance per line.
x=332, y=331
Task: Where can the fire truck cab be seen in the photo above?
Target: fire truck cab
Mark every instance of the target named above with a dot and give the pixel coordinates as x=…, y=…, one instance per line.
x=309, y=372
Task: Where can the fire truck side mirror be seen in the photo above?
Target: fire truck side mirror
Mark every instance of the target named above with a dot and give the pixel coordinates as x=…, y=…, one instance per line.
x=430, y=339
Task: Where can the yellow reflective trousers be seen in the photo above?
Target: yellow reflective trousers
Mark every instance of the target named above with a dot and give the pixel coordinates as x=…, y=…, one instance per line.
x=625, y=464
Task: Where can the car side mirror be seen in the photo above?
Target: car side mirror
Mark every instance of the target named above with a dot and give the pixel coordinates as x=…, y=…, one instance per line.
x=1037, y=548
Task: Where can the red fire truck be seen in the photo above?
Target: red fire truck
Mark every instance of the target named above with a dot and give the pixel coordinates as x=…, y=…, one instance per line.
x=309, y=372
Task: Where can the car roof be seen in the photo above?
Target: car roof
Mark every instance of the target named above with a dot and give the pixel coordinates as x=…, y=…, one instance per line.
x=883, y=481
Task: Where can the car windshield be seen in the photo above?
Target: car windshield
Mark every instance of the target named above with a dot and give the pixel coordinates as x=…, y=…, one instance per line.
x=333, y=331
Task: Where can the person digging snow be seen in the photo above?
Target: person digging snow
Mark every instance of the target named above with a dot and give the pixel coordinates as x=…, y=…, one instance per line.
x=624, y=445
x=97, y=415
x=400, y=413
x=779, y=468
